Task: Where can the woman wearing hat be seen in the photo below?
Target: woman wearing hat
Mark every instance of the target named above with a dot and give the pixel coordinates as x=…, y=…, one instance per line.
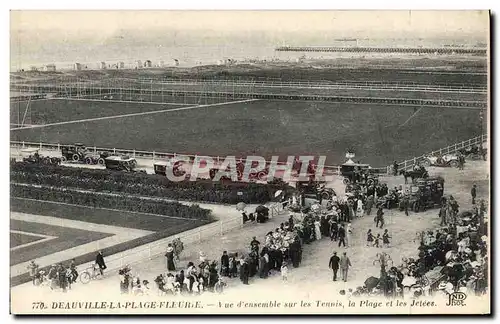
x=169, y=258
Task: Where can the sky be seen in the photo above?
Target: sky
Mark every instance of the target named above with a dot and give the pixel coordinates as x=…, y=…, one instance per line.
x=384, y=23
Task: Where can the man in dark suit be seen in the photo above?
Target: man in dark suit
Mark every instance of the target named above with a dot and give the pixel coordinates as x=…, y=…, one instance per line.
x=473, y=193
x=334, y=265
x=99, y=260
x=341, y=235
x=224, y=264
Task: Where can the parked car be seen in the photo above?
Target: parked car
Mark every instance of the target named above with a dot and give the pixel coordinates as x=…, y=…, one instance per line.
x=32, y=155
x=122, y=163
x=426, y=193
x=447, y=160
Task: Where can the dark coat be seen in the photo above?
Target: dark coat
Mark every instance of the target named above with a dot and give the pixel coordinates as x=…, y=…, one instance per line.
x=224, y=260
x=334, y=262
x=99, y=259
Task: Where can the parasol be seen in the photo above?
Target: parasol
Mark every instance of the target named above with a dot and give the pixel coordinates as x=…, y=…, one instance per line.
x=240, y=206
x=449, y=254
x=277, y=193
x=409, y=281
x=371, y=283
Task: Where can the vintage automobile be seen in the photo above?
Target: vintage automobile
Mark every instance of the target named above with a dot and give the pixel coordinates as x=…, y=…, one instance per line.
x=315, y=190
x=447, y=160
x=79, y=153
x=122, y=163
x=354, y=172
x=474, y=153
x=161, y=167
x=32, y=155
x=426, y=193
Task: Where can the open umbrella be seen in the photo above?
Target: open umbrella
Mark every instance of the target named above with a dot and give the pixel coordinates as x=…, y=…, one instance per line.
x=277, y=193
x=371, y=283
x=409, y=281
x=241, y=206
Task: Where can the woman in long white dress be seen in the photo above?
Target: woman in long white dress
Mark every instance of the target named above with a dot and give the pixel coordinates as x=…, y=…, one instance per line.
x=348, y=235
x=317, y=229
x=359, y=208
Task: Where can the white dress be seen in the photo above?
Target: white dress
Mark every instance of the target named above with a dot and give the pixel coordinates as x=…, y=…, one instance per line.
x=317, y=230
x=348, y=233
x=360, y=210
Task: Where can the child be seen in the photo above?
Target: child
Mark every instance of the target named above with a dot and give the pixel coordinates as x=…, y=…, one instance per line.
x=369, y=238
x=284, y=271
x=377, y=241
x=386, y=238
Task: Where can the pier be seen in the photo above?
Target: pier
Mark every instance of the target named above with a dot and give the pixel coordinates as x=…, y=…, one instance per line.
x=395, y=50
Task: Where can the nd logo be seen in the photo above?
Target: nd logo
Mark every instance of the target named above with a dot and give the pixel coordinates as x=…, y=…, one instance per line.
x=457, y=299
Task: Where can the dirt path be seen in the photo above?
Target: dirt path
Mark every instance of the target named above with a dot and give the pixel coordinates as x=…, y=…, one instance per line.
x=312, y=278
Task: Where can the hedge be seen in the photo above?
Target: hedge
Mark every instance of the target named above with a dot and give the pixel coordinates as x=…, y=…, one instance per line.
x=143, y=184
x=120, y=202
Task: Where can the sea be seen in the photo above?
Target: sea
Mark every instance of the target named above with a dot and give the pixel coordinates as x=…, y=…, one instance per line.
x=176, y=50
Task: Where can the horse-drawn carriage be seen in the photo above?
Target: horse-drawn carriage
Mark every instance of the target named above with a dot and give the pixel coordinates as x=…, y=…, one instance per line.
x=419, y=172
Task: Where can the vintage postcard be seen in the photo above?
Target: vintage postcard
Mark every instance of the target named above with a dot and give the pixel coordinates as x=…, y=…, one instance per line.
x=249, y=162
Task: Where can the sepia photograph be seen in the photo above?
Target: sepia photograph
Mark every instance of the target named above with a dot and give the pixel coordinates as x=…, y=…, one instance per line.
x=205, y=162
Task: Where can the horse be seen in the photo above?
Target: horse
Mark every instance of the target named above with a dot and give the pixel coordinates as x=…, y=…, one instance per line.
x=413, y=174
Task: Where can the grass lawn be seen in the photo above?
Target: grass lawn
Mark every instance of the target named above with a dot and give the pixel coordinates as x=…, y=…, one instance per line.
x=53, y=111
x=104, y=216
x=379, y=134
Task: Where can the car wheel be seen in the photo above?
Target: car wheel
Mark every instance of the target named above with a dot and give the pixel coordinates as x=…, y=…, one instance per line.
x=425, y=163
x=100, y=161
x=76, y=157
x=454, y=164
x=88, y=160
x=63, y=159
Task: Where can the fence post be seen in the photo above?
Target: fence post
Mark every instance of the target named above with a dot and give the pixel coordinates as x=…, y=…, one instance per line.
x=114, y=151
x=58, y=147
x=338, y=170
x=40, y=146
x=153, y=156
x=414, y=161
x=23, y=144
x=134, y=153
x=95, y=149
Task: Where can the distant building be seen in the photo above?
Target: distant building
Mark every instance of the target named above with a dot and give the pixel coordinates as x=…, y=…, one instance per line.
x=161, y=64
x=33, y=68
x=49, y=68
x=138, y=64
x=102, y=66
x=148, y=64
x=77, y=66
x=121, y=65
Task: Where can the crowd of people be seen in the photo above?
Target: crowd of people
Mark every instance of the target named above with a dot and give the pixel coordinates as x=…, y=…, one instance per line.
x=62, y=277
x=450, y=259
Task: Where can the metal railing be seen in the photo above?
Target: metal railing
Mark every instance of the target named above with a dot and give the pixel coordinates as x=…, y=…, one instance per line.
x=196, y=235
x=313, y=83
x=152, y=155
x=406, y=164
x=329, y=169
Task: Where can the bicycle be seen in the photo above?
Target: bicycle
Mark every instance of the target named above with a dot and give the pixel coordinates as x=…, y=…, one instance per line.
x=89, y=274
